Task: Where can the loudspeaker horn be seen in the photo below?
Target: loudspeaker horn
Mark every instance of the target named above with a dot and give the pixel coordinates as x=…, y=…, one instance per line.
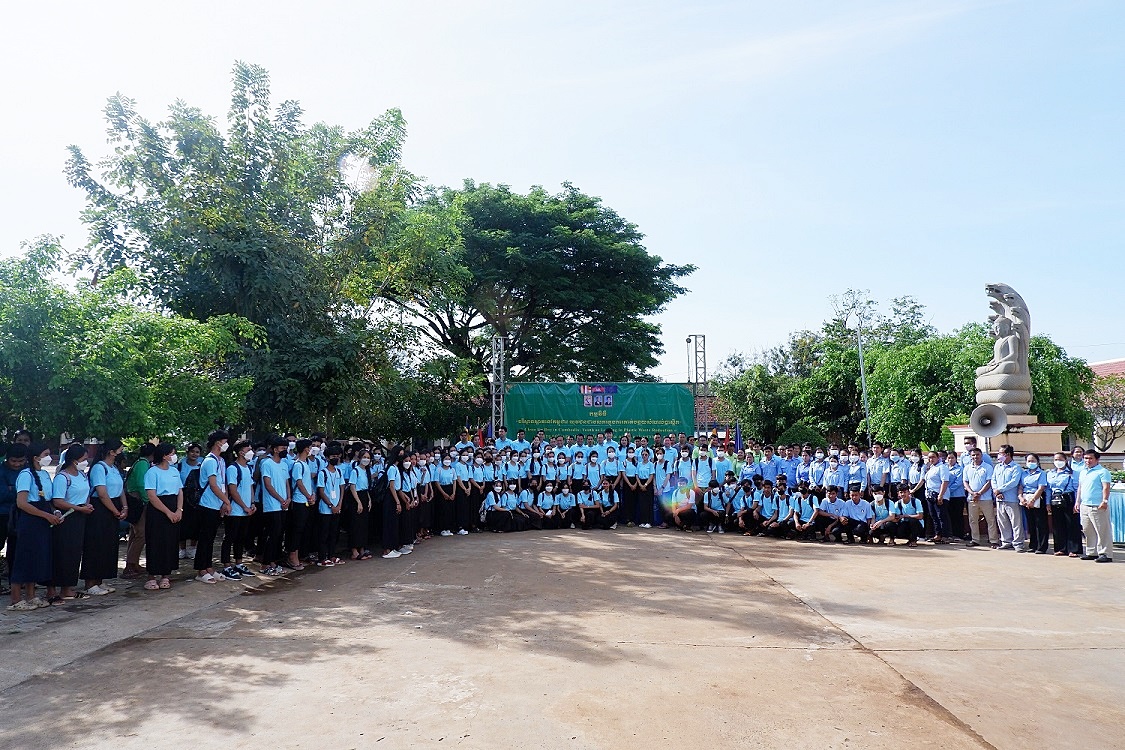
x=988, y=420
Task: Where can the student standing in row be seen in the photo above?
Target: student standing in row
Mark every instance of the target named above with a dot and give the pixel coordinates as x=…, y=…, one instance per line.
x=72, y=498
x=136, y=497
x=330, y=492
x=33, y=523
x=99, y=552
x=163, y=514
x=240, y=493
x=275, y=502
x=213, y=505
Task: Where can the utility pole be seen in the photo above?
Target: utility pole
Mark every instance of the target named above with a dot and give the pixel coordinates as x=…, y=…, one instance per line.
x=497, y=384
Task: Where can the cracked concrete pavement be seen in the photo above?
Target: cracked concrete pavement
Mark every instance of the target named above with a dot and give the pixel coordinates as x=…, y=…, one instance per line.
x=594, y=640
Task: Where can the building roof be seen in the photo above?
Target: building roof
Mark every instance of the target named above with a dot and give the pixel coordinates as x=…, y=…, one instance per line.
x=1108, y=367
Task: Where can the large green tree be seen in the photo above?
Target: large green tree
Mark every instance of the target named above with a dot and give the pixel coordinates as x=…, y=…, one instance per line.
x=265, y=221
x=564, y=279
x=88, y=362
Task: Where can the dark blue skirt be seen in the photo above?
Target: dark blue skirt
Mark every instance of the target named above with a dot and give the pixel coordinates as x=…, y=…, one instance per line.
x=33, y=562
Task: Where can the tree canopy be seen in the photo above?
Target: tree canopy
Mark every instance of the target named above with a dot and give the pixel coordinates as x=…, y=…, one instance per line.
x=917, y=380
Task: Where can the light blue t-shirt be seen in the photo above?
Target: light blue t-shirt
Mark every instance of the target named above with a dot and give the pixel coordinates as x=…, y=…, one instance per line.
x=163, y=481
x=1091, y=484
x=278, y=474
x=75, y=490
x=935, y=475
x=976, y=477
x=242, y=479
x=358, y=477
x=302, y=479
x=332, y=483
x=211, y=467
x=1006, y=478
x=25, y=482
x=104, y=475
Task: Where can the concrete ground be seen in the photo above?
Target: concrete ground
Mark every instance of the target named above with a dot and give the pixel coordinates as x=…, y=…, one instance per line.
x=592, y=640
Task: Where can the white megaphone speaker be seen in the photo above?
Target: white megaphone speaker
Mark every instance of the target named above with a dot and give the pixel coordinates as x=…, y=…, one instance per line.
x=988, y=420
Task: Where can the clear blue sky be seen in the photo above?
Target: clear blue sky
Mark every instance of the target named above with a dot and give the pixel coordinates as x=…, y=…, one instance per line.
x=790, y=150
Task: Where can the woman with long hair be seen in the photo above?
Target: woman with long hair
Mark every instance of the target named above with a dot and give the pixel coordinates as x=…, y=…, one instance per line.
x=359, y=506
x=163, y=514
x=33, y=520
x=100, y=546
x=72, y=497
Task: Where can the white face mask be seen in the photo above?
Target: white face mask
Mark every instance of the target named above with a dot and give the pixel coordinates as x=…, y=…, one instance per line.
x=819, y=456
x=314, y=451
x=1058, y=464
x=685, y=454
x=224, y=447
x=365, y=462
x=422, y=462
x=464, y=459
x=498, y=489
x=566, y=490
x=549, y=488
x=512, y=487
x=173, y=458
x=835, y=451
x=447, y=463
x=833, y=464
x=853, y=459
x=406, y=464
x=259, y=454
x=611, y=455
x=878, y=498
x=720, y=455
x=292, y=446
x=480, y=462
x=247, y=455
x=45, y=461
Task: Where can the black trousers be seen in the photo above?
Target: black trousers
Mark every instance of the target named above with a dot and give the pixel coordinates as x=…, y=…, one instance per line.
x=329, y=528
x=66, y=549
x=1038, y=528
x=909, y=528
x=644, y=505
x=356, y=521
x=100, y=544
x=628, y=503
x=608, y=517
x=465, y=507
x=958, y=525
x=296, y=519
x=567, y=518
x=390, y=516
x=273, y=524
x=205, y=548
x=446, y=510
x=234, y=538
x=499, y=520
x=856, y=528
x=162, y=540
x=1067, y=528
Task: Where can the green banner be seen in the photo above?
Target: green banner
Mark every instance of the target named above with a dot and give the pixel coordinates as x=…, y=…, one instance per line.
x=570, y=408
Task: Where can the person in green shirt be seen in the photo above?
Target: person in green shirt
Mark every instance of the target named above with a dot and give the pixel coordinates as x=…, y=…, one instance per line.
x=135, y=494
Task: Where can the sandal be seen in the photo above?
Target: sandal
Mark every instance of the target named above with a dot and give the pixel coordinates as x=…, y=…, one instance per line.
x=23, y=605
x=366, y=556
x=56, y=601
x=165, y=583
x=152, y=585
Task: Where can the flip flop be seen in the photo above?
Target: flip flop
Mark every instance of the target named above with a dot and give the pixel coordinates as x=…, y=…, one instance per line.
x=56, y=601
x=151, y=585
x=165, y=583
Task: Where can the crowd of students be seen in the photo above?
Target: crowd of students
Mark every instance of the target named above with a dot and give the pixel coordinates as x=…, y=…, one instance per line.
x=282, y=502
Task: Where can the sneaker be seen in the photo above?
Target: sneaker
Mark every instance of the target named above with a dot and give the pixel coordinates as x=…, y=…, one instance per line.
x=408, y=547
x=629, y=525
x=1089, y=557
x=1103, y=559
x=447, y=532
x=405, y=549
x=206, y=578
x=462, y=532
x=232, y=573
x=721, y=530
x=272, y=571
x=1006, y=546
x=183, y=554
x=189, y=553
x=221, y=576
x=96, y=591
x=646, y=526
x=245, y=571
x=572, y=526
x=972, y=543
x=392, y=555
x=23, y=605
x=614, y=526
x=1020, y=549
x=710, y=529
